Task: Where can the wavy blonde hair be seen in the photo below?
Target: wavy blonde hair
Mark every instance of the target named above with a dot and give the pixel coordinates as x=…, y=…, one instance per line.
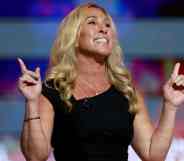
x=62, y=65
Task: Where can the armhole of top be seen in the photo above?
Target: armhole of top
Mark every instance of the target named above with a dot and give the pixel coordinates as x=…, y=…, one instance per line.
x=49, y=91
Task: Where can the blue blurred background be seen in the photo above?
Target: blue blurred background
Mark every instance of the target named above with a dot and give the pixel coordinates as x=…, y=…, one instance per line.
x=151, y=33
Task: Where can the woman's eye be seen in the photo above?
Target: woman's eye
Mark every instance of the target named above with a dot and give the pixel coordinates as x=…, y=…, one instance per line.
x=92, y=22
x=108, y=25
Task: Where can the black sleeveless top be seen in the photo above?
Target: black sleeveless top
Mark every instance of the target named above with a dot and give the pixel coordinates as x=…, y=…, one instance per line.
x=99, y=128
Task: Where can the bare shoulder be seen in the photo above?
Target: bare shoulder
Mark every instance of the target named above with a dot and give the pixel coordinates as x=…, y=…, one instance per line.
x=141, y=105
x=45, y=107
x=142, y=109
x=44, y=101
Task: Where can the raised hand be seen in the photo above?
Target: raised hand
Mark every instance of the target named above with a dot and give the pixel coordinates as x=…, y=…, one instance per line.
x=29, y=82
x=172, y=95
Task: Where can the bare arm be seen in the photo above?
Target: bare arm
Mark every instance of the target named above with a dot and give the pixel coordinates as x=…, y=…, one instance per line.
x=153, y=144
x=36, y=132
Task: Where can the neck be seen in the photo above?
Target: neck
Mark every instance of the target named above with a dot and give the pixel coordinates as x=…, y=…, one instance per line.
x=92, y=77
x=89, y=66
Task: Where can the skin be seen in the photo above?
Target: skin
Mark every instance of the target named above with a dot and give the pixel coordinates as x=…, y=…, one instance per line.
x=91, y=54
x=150, y=143
x=96, y=25
x=36, y=134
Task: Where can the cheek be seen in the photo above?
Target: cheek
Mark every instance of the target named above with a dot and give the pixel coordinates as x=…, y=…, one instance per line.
x=82, y=38
x=113, y=40
x=85, y=36
x=84, y=41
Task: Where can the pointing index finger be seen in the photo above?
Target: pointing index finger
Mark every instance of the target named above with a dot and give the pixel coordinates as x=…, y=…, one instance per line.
x=22, y=65
x=176, y=70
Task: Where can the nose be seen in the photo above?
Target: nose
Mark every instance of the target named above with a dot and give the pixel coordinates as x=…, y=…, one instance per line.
x=103, y=29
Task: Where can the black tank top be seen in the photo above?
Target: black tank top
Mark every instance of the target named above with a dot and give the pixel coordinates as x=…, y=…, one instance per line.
x=99, y=128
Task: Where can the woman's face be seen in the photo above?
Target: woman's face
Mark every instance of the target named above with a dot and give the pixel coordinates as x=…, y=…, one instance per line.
x=96, y=35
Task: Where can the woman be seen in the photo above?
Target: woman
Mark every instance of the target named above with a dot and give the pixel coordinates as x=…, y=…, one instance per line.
x=87, y=108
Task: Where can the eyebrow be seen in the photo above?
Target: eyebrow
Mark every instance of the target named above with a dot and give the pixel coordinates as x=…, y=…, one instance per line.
x=89, y=17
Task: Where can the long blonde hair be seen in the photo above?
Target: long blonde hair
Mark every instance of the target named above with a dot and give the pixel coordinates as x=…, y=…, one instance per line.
x=62, y=67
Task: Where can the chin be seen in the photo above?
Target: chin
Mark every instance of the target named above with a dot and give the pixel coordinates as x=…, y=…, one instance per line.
x=101, y=56
x=103, y=52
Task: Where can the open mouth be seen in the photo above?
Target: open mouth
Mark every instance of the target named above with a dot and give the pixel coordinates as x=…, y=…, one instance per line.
x=101, y=40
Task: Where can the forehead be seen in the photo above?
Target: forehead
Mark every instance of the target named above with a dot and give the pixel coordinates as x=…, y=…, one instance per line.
x=95, y=12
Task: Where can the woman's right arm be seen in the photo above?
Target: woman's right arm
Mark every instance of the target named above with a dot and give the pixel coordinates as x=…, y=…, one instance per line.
x=38, y=122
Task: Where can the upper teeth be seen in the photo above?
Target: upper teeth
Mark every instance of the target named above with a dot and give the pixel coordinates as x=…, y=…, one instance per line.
x=101, y=40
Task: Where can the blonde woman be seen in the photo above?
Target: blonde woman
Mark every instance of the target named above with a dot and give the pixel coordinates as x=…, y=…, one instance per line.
x=87, y=108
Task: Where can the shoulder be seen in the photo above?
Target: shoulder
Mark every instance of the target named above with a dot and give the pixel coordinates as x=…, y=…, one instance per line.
x=140, y=99
x=142, y=114
x=50, y=92
x=49, y=84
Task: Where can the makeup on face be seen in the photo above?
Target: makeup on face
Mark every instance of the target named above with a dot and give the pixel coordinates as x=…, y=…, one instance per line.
x=96, y=33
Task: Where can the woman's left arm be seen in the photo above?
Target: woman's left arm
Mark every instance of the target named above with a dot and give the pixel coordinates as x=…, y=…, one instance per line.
x=152, y=144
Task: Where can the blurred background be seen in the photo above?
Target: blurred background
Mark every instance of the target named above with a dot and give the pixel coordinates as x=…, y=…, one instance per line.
x=151, y=33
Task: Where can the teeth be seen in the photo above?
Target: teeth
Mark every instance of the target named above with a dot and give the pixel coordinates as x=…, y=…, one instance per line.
x=101, y=40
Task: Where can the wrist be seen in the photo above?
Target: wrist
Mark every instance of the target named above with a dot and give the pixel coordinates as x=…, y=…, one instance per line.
x=32, y=108
x=32, y=118
x=170, y=106
x=32, y=101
